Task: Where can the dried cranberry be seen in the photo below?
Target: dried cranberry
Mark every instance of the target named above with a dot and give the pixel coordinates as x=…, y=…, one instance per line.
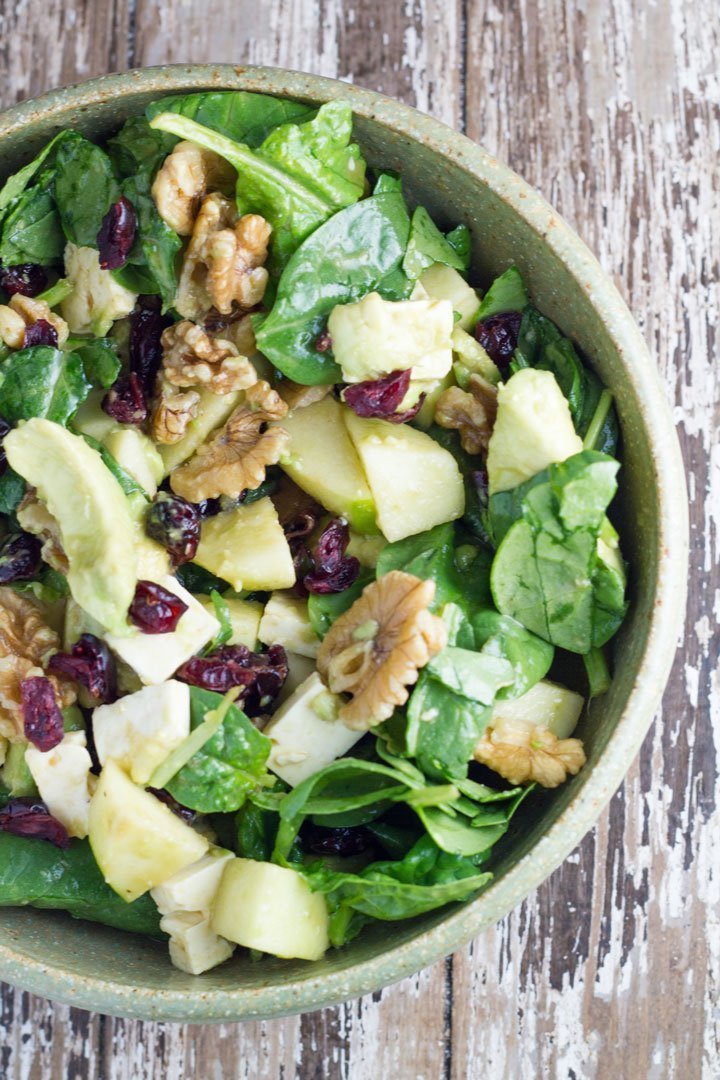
x=155, y=610
x=261, y=675
x=323, y=342
x=299, y=528
x=334, y=571
x=125, y=401
x=146, y=327
x=378, y=397
x=31, y=817
x=28, y=279
x=175, y=524
x=172, y=804
x=40, y=333
x=498, y=335
x=42, y=719
x=348, y=840
x=19, y=557
x=208, y=507
x=117, y=234
x=91, y=664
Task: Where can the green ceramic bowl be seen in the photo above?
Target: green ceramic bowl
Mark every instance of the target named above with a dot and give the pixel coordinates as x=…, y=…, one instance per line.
x=458, y=181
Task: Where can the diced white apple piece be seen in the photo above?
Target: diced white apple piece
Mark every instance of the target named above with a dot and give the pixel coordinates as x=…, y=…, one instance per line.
x=155, y=657
x=140, y=730
x=194, y=887
x=533, y=429
x=62, y=776
x=306, y=733
x=213, y=410
x=322, y=460
x=136, y=840
x=286, y=622
x=244, y=615
x=546, y=704
x=193, y=946
x=372, y=337
x=247, y=547
x=272, y=909
x=416, y=484
x=300, y=668
x=444, y=283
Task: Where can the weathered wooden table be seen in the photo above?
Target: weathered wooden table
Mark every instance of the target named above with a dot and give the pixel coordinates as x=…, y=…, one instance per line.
x=611, y=969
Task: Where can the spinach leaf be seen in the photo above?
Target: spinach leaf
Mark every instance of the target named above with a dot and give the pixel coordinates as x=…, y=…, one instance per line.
x=255, y=832
x=441, y=728
x=356, y=251
x=550, y=572
x=425, y=879
x=154, y=253
x=427, y=245
x=85, y=189
x=31, y=230
x=228, y=767
x=474, y=675
x=324, y=610
x=530, y=656
x=37, y=873
x=42, y=381
x=197, y=580
x=297, y=178
x=507, y=293
x=16, y=184
x=48, y=587
x=541, y=345
x=432, y=555
x=238, y=114
x=138, y=149
x=474, y=479
x=12, y=490
x=100, y=361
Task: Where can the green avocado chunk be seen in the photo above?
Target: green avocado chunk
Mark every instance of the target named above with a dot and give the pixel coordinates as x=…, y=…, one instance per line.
x=93, y=516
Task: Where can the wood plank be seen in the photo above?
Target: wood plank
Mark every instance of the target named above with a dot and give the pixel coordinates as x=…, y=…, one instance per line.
x=611, y=968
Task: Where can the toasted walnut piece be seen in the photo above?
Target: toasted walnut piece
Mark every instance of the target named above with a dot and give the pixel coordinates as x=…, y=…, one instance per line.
x=234, y=259
x=193, y=300
x=26, y=645
x=470, y=412
x=24, y=311
x=34, y=517
x=184, y=178
x=297, y=396
x=235, y=459
x=375, y=650
x=192, y=358
x=172, y=412
x=525, y=754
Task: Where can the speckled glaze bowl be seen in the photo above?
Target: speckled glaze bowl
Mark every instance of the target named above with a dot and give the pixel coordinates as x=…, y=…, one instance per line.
x=117, y=973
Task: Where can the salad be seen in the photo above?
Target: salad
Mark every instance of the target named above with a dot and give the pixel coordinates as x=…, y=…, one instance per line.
x=307, y=571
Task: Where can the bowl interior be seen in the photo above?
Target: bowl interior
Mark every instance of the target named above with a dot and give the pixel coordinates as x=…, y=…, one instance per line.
x=114, y=972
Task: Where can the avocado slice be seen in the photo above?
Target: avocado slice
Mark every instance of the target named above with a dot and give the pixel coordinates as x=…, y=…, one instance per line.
x=93, y=516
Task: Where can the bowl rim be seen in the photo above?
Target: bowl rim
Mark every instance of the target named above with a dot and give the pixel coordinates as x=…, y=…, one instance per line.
x=467, y=921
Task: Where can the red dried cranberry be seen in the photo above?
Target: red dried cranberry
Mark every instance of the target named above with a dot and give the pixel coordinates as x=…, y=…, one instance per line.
x=19, y=557
x=172, y=804
x=378, y=397
x=117, y=234
x=175, y=524
x=91, y=664
x=28, y=279
x=155, y=610
x=261, y=675
x=42, y=719
x=146, y=327
x=40, y=333
x=498, y=335
x=125, y=401
x=347, y=840
x=323, y=342
x=31, y=817
x=334, y=571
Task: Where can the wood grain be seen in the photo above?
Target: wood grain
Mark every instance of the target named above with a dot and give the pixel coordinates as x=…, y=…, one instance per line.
x=612, y=110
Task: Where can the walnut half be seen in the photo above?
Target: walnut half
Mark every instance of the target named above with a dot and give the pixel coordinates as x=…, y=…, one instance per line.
x=470, y=412
x=192, y=358
x=235, y=459
x=524, y=754
x=183, y=179
x=172, y=412
x=375, y=650
x=26, y=645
